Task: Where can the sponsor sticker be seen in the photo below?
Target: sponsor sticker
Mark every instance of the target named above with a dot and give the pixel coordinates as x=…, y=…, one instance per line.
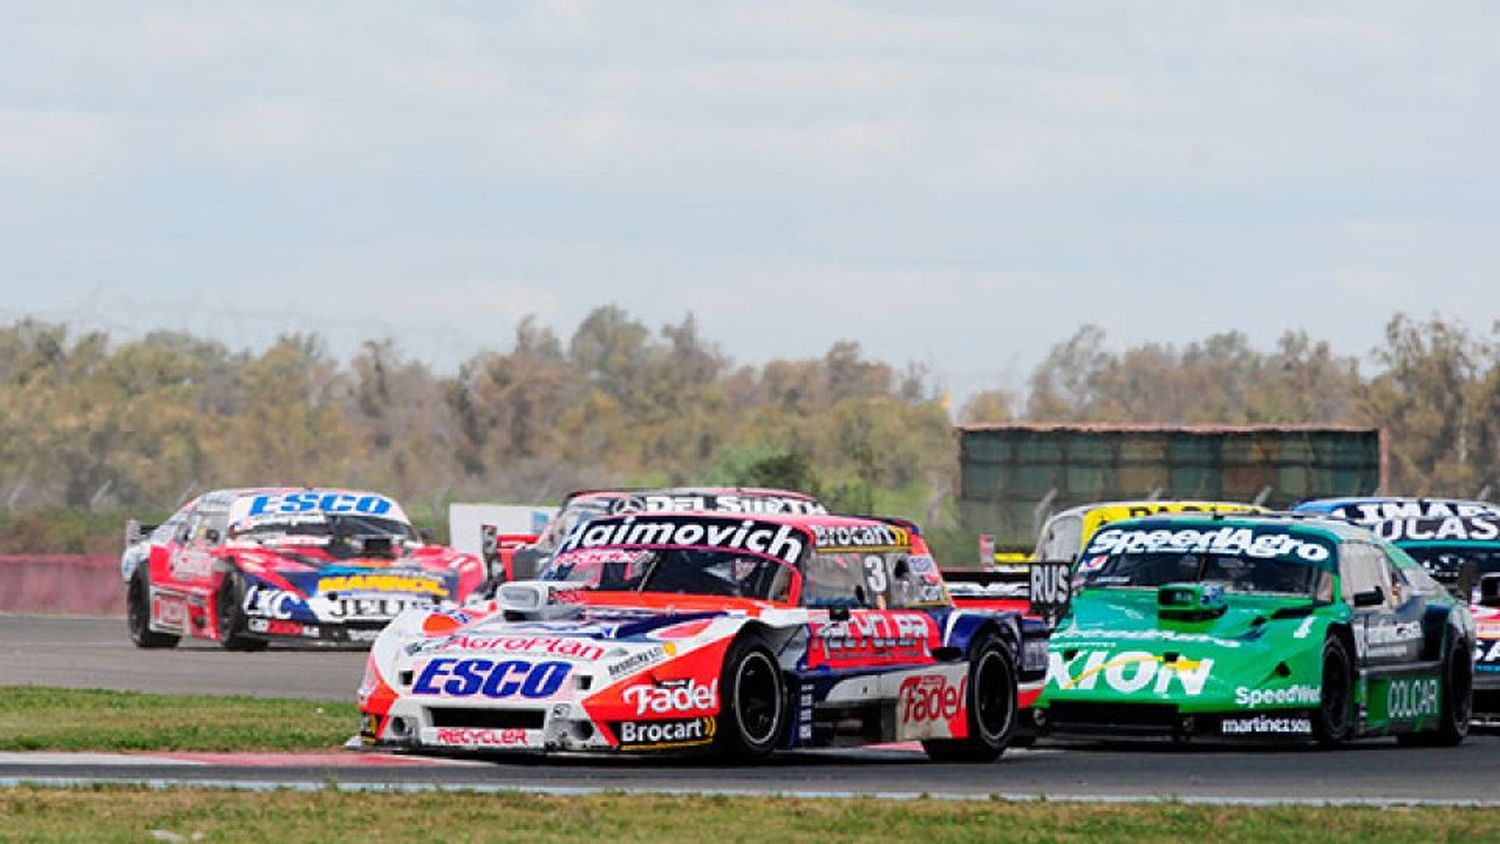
x=1257, y=542
x=569, y=647
x=1294, y=725
x=1127, y=672
x=658, y=735
x=414, y=583
x=736, y=503
x=871, y=638
x=783, y=542
x=373, y=607
x=1484, y=528
x=640, y=660
x=928, y=698
x=495, y=679
x=479, y=737
x=1410, y=699
x=269, y=602
x=669, y=697
x=1295, y=695
x=833, y=539
x=366, y=504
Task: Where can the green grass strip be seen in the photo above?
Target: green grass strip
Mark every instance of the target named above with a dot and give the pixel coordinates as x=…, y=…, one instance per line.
x=135, y=814
x=49, y=718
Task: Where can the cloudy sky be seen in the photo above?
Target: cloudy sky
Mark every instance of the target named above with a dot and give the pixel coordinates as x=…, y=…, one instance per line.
x=959, y=184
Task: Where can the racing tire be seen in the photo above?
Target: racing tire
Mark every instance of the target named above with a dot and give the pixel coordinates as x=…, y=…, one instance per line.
x=1333, y=721
x=990, y=701
x=138, y=614
x=1457, y=706
x=229, y=615
x=753, y=710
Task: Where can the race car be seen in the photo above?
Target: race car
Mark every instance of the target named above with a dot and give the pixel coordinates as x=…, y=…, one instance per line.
x=509, y=557
x=1257, y=627
x=244, y=567
x=1458, y=543
x=737, y=635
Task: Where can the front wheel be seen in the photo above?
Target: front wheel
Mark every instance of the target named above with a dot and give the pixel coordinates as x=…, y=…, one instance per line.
x=138, y=614
x=1457, y=703
x=230, y=619
x=991, y=704
x=753, y=710
x=1333, y=722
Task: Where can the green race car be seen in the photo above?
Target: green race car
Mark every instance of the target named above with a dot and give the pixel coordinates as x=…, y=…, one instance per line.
x=1259, y=627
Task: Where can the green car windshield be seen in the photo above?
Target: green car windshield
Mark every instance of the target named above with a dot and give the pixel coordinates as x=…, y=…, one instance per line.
x=1235, y=574
x=1263, y=559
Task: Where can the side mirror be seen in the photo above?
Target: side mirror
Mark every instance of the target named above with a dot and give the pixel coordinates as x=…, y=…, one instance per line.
x=211, y=536
x=1371, y=598
x=427, y=535
x=839, y=613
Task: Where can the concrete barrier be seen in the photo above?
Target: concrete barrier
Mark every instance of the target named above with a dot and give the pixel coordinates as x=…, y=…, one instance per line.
x=61, y=583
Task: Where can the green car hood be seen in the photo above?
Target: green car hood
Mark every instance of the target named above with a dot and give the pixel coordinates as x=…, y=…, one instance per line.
x=1260, y=652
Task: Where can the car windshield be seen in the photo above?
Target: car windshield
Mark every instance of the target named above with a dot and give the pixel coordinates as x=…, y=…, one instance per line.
x=1445, y=562
x=681, y=571
x=1245, y=575
x=322, y=528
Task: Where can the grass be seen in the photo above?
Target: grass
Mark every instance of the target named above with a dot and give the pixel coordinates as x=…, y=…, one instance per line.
x=48, y=718
x=131, y=813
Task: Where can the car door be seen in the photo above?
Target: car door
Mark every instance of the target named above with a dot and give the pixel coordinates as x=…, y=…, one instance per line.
x=1388, y=630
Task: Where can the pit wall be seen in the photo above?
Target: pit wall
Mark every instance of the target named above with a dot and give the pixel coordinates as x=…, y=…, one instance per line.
x=71, y=584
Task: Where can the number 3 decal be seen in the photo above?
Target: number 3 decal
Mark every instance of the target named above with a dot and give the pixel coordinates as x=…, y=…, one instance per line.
x=875, y=571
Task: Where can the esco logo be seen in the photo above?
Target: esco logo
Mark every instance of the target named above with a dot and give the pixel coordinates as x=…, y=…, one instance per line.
x=674, y=696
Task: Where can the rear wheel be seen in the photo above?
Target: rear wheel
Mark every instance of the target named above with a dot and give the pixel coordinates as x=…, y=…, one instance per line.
x=229, y=613
x=1457, y=703
x=991, y=704
x=138, y=614
x=1334, y=721
x=753, y=710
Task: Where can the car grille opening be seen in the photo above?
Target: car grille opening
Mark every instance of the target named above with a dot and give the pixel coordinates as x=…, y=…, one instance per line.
x=496, y=719
x=1103, y=717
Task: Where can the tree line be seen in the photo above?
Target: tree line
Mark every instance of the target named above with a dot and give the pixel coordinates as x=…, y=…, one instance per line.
x=91, y=425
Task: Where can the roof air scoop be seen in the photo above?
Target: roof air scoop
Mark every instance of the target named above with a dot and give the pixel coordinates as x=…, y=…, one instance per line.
x=1190, y=602
x=535, y=600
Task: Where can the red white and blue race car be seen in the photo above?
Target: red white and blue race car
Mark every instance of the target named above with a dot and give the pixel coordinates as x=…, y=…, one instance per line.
x=244, y=567
x=732, y=634
x=520, y=556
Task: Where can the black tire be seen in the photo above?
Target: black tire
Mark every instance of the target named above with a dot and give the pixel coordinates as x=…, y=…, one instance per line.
x=991, y=704
x=1333, y=721
x=1457, y=705
x=229, y=613
x=138, y=614
x=753, y=714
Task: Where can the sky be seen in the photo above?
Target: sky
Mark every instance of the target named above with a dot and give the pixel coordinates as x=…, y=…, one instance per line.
x=956, y=184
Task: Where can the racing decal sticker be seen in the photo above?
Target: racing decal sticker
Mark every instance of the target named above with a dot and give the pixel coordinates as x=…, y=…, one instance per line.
x=1412, y=699
x=1287, y=725
x=566, y=647
x=416, y=583
x=282, y=627
x=833, y=539
x=1298, y=694
x=1127, y=672
x=1487, y=655
x=665, y=735
x=371, y=607
x=931, y=706
x=1484, y=528
x=478, y=737
x=1388, y=639
x=293, y=503
x=493, y=679
x=1261, y=542
x=674, y=697
x=168, y=610
x=737, y=503
x=270, y=602
x=1367, y=512
x=641, y=660
x=872, y=638
x=783, y=542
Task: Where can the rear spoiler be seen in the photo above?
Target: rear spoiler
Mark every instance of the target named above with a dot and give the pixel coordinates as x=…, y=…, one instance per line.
x=1044, y=585
x=136, y=531
x=493, y=544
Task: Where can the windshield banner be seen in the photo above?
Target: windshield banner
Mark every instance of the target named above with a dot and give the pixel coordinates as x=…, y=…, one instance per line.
x=782, y=542
x=1261, y=542
x=748, y=503
x=299, y=506
x=1484, y=528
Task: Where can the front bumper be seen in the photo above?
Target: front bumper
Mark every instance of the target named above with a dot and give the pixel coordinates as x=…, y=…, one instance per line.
x=1086, y=719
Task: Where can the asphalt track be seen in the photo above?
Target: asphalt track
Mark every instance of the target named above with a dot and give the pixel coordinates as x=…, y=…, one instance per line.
x=88, y=652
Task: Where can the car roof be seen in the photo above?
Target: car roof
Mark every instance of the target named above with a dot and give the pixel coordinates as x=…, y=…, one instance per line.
x=1148, y=502
x=623, y=492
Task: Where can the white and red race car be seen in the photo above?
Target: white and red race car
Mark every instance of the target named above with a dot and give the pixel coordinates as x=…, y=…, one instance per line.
x=245, y=567
x=735, y=634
